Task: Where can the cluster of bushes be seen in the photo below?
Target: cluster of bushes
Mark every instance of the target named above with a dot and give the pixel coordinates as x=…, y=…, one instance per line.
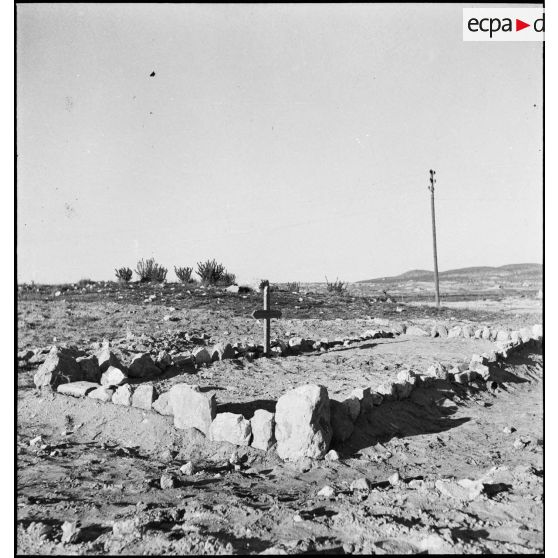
x=335, y=287
x=210, y=273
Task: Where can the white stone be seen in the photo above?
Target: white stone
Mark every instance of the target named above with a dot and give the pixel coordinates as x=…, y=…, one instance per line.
x=102, y=393
x=222, y=351
x=326, y=492
x=162, y=404
x=455, y=331
x=123, y=396
x=77, y=389
x=416, y=331
x=263, y=429
x=231, y=427
x=192, y=408
x=143, y=397
x=332, y=455
x=113, y=377
x=302, y=423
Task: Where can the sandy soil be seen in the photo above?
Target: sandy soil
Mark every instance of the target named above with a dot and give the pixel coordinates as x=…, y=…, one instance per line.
x=100, y=463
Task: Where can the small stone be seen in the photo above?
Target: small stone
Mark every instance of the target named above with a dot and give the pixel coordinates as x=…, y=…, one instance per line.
x=106, y=358
x=394, y=479
x=508, y=430
x=234, y=459
x=126, y=528
x=167, y=481
x=342, y=424
x=102, y=393
x=163, y=360
x=437, y=370
x=520, y=443
x=123, y=396
x=360, y=484
x=465, y=489
x=59, y=367
x=188, y=469
x=77, y=389
x=416, y=484
x=331, y=455
x=71, y=532
x=326, y=492
x=442, y=330
x=113, y=377
x=36, y=441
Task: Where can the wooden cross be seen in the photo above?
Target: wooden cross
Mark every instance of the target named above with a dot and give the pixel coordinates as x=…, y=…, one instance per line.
x=266, y=314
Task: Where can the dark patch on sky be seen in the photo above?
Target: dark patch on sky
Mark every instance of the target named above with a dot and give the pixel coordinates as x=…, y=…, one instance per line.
x=152, y=74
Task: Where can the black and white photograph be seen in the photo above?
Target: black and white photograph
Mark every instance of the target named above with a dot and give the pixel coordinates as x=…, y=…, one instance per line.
x=279, y=278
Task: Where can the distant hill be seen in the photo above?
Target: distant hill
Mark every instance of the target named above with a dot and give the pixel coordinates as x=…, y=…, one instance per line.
x=524, y=271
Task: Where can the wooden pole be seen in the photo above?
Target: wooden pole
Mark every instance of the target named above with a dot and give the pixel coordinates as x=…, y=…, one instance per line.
x=436, y=278
x=267, y=323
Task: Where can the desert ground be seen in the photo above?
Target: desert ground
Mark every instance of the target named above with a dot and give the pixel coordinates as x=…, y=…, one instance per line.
x=452, y=468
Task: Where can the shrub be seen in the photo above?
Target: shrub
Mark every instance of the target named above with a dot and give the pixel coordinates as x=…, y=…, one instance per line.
x=184, y=274
x=335, y=287
x=293, y=287
x=149, y=270
x=227, y=279
x=213, y=273
x=124, y=274
x=85, y=282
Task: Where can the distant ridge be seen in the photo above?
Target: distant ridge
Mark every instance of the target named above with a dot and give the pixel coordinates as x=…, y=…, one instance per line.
x=510, y=270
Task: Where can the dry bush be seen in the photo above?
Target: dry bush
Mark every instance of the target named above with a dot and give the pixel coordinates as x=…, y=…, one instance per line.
x=124, y=274
x=335, y=287
x=184, y=274
x=149, y=270
x=213, y=273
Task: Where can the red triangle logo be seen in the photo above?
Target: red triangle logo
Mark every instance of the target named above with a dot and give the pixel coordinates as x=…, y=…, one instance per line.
x=519, y=25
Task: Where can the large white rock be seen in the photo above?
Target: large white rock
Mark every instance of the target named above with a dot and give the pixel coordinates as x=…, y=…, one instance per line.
x=143, y=397
x=263, y=429
x=302, y=423
x=113, y=377
x=192, y=408
x=230, y=427
x=77, y=389
x=123, y=396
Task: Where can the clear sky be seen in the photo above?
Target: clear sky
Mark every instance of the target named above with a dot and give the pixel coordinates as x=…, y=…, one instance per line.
x=287, y=141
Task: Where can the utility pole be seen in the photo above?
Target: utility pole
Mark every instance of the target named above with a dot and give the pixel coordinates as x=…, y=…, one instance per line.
x=436, y=279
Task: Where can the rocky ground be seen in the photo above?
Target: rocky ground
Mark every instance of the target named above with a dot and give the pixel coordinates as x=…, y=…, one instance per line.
x=453, y=469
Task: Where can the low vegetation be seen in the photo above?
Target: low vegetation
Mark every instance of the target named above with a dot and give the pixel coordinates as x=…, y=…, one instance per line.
x=213, y=274
x=150, y=271
x=336, y=286
x=124, y=274
x=184, y=274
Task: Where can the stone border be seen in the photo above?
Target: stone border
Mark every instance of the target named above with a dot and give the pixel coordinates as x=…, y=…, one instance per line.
x=192, y=408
